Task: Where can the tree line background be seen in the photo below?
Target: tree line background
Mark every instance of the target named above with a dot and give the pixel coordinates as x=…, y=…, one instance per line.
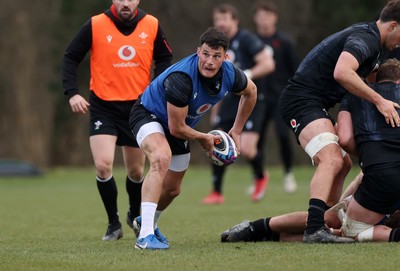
x=36, y=123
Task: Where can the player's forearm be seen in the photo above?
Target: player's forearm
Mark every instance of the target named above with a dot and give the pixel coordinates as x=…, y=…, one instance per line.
x=265, y=64
x=185, y=132
x=362, y=90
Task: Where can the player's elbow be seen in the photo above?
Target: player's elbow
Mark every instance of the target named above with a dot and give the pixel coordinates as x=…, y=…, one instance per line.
x=251, y=88
x=346, y=141
x=340, y=75
x=176, y=131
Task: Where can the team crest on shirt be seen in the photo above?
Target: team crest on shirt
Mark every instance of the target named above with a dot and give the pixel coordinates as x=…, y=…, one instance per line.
x=204, y=108
x=143, y=36
x=294, y=125
x=126, y=52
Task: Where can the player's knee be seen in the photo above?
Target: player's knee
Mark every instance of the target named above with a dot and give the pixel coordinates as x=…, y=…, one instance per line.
x=136, y=173
x=248, y=149
x=356, y=229
x=136, y=177
x=336, y=162
x=347, y=164
x=103, y=168
x=161, y=161
x=248, y=153
x=174, y=192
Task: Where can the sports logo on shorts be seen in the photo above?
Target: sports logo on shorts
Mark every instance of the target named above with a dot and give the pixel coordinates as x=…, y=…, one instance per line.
x=249, y=125
x=126, y=52
x=97, y=124
x=294, y=125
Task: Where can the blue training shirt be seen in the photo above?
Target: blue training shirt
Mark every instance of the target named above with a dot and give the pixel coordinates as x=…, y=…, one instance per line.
x=154, y=98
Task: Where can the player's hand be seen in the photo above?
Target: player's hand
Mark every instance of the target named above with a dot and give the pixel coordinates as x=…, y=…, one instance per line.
x=388, y=110
x=79, y=104
x=207, y=143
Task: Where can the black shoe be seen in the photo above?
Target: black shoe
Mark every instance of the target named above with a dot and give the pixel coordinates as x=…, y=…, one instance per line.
x=323, y=235
x=242, y=232
x=114, y=232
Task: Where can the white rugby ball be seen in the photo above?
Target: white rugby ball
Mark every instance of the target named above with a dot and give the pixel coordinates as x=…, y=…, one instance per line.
x=224, y=151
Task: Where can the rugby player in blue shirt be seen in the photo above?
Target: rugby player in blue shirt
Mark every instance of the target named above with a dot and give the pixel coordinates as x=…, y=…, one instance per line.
x=163, y=120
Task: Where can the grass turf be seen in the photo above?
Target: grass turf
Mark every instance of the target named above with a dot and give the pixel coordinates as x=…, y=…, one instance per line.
x=55, y=222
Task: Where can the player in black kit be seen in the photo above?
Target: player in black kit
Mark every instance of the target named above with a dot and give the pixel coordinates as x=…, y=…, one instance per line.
x=333, y=68
x=378, y=146
x=247, y=52
x=286, y=63
x=375, y=194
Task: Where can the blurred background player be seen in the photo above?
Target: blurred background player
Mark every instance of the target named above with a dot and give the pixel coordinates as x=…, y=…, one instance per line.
x=248, y=53
x=286, y=62
x=118, y=76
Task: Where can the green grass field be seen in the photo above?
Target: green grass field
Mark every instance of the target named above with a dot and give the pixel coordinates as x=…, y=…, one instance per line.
x=55, y=222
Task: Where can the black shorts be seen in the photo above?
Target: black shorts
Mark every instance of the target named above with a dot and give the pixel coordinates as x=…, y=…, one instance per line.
x=140, y=116
x=111, y=118
x=379, y=190
x=299, y=110
x=253, y=124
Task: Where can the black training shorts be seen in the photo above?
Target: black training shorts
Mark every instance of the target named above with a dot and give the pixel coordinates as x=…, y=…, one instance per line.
x=379, y=190
x=111, y=118
x=299, y=110
x=141, y=116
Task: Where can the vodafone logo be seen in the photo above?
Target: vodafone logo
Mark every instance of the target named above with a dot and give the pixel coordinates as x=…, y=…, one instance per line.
x=204, y=108
x=126, y=52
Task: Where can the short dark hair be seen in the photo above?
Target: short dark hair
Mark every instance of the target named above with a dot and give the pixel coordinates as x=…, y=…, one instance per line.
x=214, y=38
x=389, y=71
x=266, y=6
x=226, y=8
x=391, y=12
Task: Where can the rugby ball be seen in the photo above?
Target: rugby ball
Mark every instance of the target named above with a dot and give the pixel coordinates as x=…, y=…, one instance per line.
x=224, y=152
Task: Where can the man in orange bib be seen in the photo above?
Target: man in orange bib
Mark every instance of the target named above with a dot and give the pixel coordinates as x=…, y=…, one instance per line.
x=124, y=42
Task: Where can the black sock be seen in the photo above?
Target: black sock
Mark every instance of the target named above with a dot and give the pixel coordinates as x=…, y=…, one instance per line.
x=257, y=166
x=218, y=174
x=315, y=219
x=135, y=197
x=262, y=231
x=108, y=192
x=286, y=152
x=394, y=235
